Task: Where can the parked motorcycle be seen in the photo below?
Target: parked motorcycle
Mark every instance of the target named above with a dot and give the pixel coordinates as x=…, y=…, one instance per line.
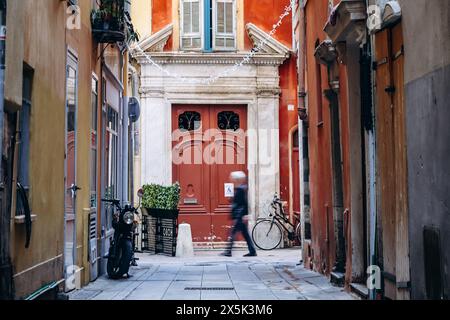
x=121, y=250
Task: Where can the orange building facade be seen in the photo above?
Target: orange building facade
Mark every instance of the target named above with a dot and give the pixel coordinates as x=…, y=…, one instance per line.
x=336, y=149
x=261, y=94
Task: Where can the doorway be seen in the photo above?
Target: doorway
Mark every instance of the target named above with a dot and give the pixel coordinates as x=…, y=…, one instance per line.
x=70, y=236
x=209, y=142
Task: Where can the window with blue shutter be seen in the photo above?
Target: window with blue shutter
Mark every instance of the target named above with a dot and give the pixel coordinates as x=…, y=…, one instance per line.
x=208, y=25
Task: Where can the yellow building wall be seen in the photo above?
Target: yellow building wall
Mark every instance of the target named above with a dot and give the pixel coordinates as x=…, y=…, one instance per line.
x=44, y=50
x=80, y=41
x=141, y=15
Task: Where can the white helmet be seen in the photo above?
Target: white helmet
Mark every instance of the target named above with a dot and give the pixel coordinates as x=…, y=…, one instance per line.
x=238, y=175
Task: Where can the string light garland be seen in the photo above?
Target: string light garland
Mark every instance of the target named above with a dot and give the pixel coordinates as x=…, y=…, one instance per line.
x=214, y=78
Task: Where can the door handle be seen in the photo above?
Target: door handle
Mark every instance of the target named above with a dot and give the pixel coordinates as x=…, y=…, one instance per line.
x=74, y=188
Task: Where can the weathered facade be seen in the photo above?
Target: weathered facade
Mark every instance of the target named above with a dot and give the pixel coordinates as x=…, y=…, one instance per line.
x=425, y=96
x=372, y=159
x=55, y=146
x=333, y=135
x=260, y=94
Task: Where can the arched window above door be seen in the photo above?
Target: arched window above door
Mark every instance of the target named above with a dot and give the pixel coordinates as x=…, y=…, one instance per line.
x=228, y=120
x=189, y=121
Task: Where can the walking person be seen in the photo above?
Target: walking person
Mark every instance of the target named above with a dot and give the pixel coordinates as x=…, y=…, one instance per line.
x=239, y=213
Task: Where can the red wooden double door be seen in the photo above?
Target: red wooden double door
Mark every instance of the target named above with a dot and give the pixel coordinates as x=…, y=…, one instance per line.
x=209, y=143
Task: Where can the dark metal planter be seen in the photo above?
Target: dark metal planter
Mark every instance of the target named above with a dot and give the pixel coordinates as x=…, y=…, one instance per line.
x=160, y=231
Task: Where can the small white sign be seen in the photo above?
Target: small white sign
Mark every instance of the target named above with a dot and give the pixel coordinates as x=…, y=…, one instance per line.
x=229, y=190
x=291, y=107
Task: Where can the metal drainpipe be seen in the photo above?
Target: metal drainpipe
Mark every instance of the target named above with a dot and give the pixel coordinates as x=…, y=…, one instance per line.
x=135, y=93
x=302, y=104
x=372, y=171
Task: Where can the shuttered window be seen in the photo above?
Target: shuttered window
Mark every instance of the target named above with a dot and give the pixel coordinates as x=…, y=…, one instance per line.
x=191, y=36
x=224, y=24
x=196, y=19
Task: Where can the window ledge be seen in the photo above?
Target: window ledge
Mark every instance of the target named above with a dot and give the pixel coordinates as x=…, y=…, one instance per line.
x=21, y=219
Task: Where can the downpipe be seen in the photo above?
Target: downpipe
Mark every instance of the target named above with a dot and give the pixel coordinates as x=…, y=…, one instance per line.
x=302, y=110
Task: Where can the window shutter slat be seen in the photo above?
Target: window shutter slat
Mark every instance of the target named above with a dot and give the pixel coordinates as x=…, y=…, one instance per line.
x=220, y=17
x=186, y=17
x=191, y=33
x=229, y=17
x=195, y=17
x=224, y=33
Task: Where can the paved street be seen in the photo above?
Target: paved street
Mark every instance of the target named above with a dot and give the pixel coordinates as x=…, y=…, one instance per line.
x=208, y=276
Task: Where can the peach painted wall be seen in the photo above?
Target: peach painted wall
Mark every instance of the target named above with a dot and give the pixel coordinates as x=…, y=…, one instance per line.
x=288, y=120
x=320, y=157
x=264, y=14
x=161, y=17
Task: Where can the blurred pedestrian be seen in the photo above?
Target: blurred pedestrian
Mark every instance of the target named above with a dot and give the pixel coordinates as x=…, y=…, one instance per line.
x=239, y=213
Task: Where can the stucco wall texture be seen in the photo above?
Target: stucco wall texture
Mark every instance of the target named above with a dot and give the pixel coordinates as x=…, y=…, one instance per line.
x=45, y=45
x=427, y=93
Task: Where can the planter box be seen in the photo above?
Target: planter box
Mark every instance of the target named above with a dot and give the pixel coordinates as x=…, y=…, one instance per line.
x=160, y=231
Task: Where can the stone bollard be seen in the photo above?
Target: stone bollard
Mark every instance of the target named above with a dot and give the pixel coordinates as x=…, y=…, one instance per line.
x=185, y=248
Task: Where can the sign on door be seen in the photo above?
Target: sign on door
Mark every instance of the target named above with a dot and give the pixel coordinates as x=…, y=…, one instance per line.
x=229, y=190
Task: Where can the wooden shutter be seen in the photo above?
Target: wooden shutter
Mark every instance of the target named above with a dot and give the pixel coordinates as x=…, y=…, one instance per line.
x=190, y=24
x=224, y=13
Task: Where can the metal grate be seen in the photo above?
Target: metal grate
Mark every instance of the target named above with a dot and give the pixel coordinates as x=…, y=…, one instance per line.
x=159, y=235
x=93, y=226
x=209, y=289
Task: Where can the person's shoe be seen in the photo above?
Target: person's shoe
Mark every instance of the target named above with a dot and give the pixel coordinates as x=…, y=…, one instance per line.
x=226, y=254
x=251, y=255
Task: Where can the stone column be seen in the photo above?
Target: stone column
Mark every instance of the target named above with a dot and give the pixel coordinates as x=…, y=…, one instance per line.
x=156, y=130
x=267, y=126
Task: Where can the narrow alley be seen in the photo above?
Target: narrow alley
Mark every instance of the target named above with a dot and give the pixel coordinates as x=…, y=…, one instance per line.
x=273, y=275
x=313, y=133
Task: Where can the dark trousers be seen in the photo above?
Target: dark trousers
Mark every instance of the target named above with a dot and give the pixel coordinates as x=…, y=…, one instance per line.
x=240, y=226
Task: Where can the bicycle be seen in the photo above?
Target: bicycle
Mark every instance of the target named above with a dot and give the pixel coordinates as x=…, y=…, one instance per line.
x=267, y=233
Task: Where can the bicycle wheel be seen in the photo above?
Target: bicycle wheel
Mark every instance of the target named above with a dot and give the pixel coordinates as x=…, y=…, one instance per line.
x=267, y=234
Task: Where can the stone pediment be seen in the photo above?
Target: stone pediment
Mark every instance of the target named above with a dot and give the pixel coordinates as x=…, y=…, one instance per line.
x=271, y=46
x=157, y=41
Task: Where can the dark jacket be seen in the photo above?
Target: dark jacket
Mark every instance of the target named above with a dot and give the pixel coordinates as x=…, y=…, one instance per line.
x=239, y=207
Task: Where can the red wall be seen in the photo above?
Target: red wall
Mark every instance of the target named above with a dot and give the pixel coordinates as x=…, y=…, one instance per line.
x=322, y=226
x=161, y=17
x=288, y=121
x=264, y=14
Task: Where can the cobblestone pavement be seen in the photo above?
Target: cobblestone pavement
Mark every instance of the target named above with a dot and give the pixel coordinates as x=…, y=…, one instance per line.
x=270, y=276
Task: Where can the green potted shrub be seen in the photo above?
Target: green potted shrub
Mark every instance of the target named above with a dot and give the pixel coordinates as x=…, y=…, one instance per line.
x=160, y=210
x=161, y=201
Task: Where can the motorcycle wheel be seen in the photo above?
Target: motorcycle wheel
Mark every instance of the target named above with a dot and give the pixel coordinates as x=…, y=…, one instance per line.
x=120, y=265
x=127, y=254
